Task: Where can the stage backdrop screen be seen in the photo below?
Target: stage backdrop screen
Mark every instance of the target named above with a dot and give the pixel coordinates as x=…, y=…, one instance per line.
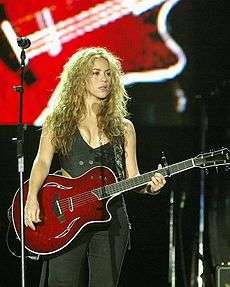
x=136, y=31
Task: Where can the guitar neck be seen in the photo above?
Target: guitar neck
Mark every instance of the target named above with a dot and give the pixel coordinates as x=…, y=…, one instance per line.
x=140, y=180
x=82, y=23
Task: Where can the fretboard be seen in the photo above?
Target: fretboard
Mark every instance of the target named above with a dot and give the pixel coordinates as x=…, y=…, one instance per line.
x=140, y=180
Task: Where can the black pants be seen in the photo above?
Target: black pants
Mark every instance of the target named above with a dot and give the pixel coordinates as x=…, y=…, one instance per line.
x=96, y=260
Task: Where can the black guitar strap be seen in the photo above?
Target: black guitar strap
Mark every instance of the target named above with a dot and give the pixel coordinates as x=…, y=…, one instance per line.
x=120, y=167
x=44, y=274
x=119, y=161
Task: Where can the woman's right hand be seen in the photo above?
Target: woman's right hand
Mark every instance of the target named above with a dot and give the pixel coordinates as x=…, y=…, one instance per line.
x=31, y=212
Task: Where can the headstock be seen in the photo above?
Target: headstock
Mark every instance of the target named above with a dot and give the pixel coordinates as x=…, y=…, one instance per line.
x=213, y=159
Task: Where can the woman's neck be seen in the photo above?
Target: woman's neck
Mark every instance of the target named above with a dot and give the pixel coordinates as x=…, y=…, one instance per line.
x=92, y=107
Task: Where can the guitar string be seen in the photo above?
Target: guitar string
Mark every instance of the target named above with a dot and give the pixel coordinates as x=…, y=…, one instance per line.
x=65, y=203
x=40, y=41
x=79, y=200
x=89, y=196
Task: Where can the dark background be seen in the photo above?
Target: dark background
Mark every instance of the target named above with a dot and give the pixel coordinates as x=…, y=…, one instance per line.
x=203, y=32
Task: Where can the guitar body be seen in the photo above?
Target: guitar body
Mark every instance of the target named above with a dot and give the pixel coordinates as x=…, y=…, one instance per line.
x=67, y=206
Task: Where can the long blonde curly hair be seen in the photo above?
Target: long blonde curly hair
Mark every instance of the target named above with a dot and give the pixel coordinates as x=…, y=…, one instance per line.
x=70, y=108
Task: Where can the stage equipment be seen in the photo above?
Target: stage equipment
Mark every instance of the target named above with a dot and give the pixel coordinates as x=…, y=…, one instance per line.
x=23, y=43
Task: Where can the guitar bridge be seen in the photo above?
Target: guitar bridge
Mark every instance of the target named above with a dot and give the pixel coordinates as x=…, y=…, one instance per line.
x=57, y=208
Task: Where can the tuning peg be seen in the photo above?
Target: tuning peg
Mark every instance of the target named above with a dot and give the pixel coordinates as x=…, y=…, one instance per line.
x=227, y=168
x=163, y=159
x=165, y=163
x=211, y=151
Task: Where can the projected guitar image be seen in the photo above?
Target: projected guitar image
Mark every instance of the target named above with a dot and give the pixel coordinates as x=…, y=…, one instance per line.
x=136, y=31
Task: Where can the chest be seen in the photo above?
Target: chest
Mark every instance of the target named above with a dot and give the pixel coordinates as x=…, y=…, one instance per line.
x=91, y=134
x=83, y=157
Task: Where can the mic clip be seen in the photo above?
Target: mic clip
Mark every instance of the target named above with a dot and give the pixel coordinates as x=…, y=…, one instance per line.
x=23, y=42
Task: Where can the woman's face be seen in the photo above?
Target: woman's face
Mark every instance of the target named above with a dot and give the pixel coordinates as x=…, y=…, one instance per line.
x=99, y=81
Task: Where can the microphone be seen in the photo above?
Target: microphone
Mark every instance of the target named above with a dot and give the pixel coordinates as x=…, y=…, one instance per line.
x=23, y=42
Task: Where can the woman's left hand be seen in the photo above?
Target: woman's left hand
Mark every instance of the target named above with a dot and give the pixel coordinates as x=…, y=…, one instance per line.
x=157, y=182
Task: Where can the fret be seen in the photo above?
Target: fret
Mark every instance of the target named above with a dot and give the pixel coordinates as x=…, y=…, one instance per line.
x=101, y=192
x=221, y=156
x=140, y=180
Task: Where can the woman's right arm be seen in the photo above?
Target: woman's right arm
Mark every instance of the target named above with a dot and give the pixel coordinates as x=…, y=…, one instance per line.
x=39, y=172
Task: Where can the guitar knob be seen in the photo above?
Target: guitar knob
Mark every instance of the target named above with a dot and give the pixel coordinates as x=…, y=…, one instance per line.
x=206, y=171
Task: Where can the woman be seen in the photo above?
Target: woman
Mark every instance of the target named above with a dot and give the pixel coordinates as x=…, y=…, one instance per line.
x=88, y=128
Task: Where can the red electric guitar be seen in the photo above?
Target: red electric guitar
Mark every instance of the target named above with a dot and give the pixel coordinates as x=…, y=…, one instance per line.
x=68, y=205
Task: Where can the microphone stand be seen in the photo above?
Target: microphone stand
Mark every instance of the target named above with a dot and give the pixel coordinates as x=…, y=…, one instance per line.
x=172, y=247
x=20, y=156
x=204, y=126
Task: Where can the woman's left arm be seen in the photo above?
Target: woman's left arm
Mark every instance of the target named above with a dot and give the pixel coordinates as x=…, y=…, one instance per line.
x=157, y=181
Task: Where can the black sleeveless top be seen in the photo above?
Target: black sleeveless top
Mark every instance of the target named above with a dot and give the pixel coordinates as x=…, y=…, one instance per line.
x=83, y=157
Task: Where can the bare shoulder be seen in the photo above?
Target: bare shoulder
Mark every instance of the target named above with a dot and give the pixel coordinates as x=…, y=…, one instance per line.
x=130, y=134
x=129, y=127
x=46, y=139
x=46, y=131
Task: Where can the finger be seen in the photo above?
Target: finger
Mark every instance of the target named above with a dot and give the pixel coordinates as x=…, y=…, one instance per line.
x=154, y=181
x=37, y=216
x=160, y=177
x=157, y=178
x=159, y=166
x=31, y=225
x=154, y=188
x=158, y=174
x=148, y=187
